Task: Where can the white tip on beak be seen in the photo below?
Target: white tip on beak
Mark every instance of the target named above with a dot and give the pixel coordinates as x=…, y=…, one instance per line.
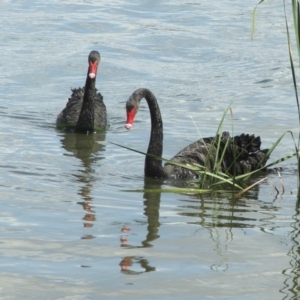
x=128, y=126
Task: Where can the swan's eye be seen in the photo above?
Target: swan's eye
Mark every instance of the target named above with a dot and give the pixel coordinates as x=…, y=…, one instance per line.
x=130, y=107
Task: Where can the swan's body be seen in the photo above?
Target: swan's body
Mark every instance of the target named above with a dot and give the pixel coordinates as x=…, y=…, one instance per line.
x=240, y=154
x=85, y=110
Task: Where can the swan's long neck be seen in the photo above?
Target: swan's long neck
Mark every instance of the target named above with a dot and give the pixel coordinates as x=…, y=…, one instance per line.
x=85, y=121
x=153, y=166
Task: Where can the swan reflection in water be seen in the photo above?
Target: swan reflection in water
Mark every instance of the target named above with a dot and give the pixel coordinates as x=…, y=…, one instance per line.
x=151, y=212
x=210, y=212
x=86, y=148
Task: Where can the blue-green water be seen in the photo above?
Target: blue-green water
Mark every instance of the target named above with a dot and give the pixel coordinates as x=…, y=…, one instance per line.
x=74, y=222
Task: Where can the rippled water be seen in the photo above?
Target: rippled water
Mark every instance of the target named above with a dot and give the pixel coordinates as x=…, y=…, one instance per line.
x=75, y=222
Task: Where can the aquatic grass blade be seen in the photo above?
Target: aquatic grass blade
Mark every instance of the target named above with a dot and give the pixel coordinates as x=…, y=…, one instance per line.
x=292, y=64
x=250, y=186
x=253, y=19
x=185, y=191
x=296, y=23
x=296, y=14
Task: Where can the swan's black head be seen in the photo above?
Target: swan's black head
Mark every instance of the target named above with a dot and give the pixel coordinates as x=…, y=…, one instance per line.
x=94, y=60
x=132, y=104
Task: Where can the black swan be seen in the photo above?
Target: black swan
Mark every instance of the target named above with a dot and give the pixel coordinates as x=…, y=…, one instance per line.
x=85, y=110
x=239, y=155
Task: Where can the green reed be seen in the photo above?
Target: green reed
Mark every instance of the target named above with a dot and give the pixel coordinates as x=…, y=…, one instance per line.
x=296, y=17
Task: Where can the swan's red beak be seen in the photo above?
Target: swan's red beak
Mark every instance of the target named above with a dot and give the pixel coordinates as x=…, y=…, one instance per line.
x=130, y=118
x=93, y=66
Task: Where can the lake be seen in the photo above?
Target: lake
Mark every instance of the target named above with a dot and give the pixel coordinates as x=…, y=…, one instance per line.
x=76, y=222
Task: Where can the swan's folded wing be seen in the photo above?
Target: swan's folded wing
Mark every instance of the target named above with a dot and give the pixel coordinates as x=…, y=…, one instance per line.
x=69, y=115
x=236, y=156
